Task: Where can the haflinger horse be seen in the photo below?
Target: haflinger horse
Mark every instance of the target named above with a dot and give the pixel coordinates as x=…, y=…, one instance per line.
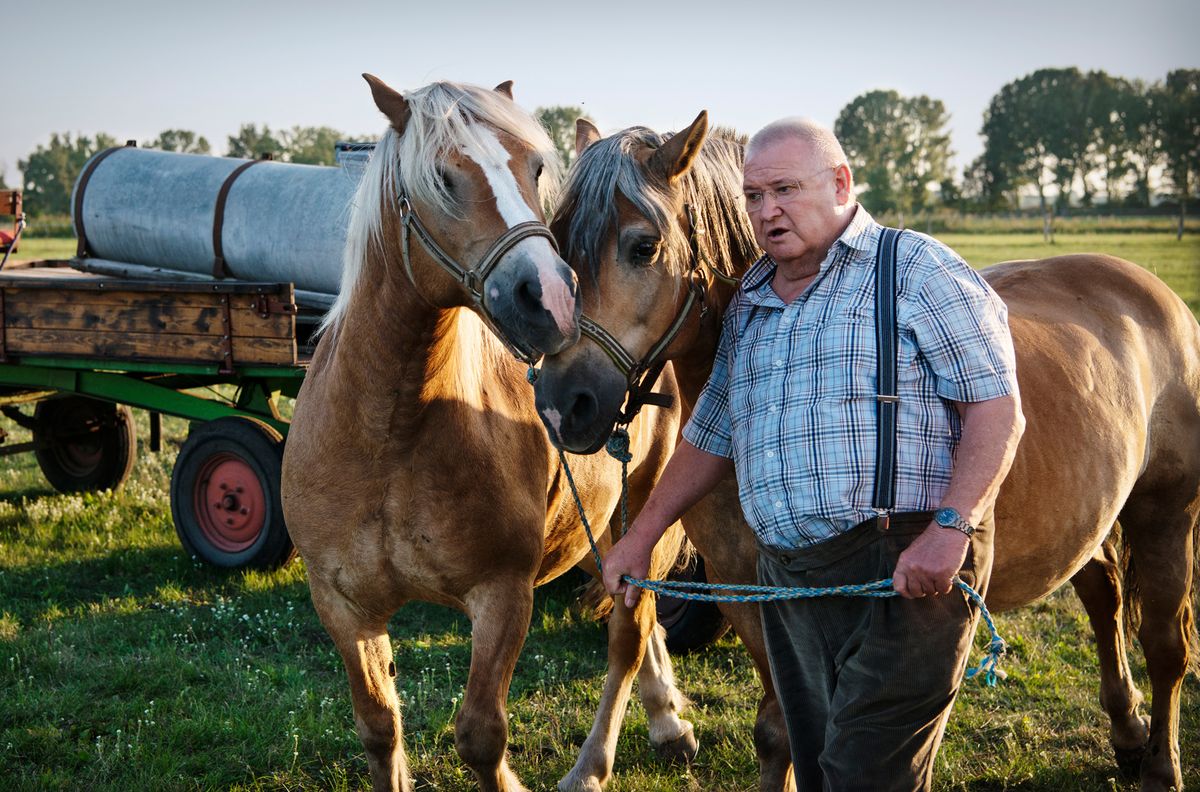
x=1109, y=370
x=416, y=467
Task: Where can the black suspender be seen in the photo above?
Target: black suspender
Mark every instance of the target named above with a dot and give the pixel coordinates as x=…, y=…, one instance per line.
x=887, y=400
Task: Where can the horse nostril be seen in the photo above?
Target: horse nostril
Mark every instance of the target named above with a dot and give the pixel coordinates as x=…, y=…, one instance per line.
x=529, y=301
x=583, y=410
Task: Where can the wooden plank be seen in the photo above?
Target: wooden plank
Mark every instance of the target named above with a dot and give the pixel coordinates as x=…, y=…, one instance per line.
x=140, y=314
x=148, y=346
x=52, y=279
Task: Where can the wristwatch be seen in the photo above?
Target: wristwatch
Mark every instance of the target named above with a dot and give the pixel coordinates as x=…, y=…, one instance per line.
x=950, y=518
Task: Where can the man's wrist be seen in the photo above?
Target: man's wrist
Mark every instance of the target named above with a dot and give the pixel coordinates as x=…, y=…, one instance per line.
x=949, y=518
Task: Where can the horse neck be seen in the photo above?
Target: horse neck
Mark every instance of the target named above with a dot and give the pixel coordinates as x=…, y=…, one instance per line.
x=390, y=341
x=694, y=366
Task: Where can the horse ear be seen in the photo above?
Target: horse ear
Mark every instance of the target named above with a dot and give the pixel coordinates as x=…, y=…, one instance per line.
x=389, y=101
x=585, y=134
x=679, y=152
x=505, y=88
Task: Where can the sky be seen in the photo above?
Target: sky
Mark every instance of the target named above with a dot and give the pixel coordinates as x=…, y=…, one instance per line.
x=133, y=68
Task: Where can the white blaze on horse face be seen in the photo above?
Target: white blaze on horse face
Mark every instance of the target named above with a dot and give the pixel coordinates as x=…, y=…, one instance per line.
x=492, y=158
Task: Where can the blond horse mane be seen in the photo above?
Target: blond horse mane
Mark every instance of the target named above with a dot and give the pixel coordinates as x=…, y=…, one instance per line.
x=443, y=115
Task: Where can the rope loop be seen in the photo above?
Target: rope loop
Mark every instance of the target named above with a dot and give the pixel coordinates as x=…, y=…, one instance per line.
x=618, y=446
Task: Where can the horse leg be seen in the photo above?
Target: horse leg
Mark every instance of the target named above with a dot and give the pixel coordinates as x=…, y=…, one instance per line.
x=770, y=730
x=672, y=737
x=500, y=613
x=1159, y=526
x=1098, y=585
x=628, y=635
x=366, y=651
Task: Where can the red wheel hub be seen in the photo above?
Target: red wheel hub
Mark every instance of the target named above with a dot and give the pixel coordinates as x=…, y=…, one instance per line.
x=230, y=504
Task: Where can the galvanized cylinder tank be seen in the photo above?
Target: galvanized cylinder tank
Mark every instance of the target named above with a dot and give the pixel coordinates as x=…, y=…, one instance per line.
x=280, y=222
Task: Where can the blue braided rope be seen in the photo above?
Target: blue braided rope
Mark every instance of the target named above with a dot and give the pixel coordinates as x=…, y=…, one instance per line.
x=618, y=448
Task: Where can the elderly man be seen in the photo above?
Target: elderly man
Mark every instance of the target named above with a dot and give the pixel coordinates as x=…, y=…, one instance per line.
x=793, y=407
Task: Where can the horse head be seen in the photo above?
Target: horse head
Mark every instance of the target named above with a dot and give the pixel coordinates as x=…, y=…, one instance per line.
x=460, y=190
x=652, y=225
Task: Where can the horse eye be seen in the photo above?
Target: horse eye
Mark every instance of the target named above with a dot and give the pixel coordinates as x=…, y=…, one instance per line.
x=538, y=175
x=444, y=180
x=645, y=250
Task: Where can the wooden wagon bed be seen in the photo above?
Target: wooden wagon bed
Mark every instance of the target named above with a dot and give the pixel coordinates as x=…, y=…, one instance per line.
x=50, y=309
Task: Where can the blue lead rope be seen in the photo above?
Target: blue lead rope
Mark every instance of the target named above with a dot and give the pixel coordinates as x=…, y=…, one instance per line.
x=618, y=447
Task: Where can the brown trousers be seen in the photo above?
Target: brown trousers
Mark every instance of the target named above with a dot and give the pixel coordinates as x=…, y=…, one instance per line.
x=866, y=684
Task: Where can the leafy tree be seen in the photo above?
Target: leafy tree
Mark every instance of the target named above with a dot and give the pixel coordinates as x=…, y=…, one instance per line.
x=897, y=146
x=1179, y=126
x=51, y=170
x=559, y=121
x=1143, y=138
x=310, y=145
x=251, y=142
x=1036, y=131
x=182, y=140
x=3, y=183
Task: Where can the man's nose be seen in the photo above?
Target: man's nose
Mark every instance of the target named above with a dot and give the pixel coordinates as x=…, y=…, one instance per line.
x=770, y=205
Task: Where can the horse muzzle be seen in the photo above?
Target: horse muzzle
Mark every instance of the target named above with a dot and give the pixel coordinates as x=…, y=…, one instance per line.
x=531, y=296
x=579, y=401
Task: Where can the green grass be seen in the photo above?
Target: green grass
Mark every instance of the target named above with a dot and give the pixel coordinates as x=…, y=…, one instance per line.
x=125, y=664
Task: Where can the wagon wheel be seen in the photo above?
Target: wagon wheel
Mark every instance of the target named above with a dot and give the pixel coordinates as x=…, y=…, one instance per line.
x=690, y=625
x=225, y=495
x=83, y=444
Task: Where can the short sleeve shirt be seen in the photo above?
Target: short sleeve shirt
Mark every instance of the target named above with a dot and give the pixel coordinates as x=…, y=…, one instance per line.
x=791, y=398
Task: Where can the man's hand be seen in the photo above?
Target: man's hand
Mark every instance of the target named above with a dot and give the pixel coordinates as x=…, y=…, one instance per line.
x=929, y=564
x=630, y=556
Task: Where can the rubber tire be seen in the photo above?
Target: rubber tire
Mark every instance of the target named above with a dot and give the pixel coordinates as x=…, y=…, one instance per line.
x=253, y=450
x=97, y=460
x=690, y=625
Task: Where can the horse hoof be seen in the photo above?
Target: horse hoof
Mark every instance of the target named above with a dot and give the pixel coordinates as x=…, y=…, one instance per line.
x=1129, y=761
x=682, y=749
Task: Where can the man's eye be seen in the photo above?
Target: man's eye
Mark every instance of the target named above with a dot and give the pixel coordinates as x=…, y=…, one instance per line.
x=753, y=197
x=785, y=190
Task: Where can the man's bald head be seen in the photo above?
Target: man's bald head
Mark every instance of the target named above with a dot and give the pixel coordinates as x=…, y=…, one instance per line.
x=824, y=146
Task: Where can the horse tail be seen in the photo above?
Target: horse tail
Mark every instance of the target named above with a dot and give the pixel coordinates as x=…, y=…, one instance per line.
x=1131, y=594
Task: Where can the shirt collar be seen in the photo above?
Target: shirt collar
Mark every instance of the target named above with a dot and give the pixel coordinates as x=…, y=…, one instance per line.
x=861, y=236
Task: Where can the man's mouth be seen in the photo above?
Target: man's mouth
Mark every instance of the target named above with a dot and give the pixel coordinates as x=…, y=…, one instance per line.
x=776, y=233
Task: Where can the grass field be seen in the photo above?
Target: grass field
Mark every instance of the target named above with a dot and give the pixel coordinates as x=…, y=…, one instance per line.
x=125, y=665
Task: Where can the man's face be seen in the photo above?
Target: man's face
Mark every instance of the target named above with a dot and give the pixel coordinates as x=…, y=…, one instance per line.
x=796, y=205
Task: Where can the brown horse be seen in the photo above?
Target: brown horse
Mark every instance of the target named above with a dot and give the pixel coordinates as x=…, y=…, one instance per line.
x=416, y=467
x=1109, y=369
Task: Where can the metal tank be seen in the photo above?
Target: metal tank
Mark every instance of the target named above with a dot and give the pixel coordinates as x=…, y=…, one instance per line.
x=278, y=222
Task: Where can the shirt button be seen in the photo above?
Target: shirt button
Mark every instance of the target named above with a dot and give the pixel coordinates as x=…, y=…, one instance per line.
x=779, y=504
x=778, y=363
x=773, y=408
x=770, y=455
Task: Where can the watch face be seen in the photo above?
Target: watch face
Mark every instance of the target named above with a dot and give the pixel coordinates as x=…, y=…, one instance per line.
x=945, y=516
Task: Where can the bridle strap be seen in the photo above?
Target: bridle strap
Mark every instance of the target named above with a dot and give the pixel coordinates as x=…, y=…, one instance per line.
x=472, y=279
x=640, y=376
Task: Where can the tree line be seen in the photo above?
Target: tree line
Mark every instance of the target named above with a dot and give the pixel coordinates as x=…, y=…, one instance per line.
x=1056, y=133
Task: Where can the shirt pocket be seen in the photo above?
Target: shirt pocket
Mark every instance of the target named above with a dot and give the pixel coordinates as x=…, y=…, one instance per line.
x=841, y=354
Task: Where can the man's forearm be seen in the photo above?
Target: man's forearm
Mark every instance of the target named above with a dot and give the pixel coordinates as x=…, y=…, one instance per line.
x=689, y=476
x=990, y=433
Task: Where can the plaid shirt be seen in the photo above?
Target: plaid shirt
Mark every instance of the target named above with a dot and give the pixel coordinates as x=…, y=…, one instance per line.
x=791, y=398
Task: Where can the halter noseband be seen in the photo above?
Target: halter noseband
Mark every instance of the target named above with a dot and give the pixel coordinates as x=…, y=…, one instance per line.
x=641, y=375
x=472, y=279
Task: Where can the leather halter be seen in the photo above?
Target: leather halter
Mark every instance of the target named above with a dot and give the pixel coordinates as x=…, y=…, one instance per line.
x=472, y=279
x=641, y=375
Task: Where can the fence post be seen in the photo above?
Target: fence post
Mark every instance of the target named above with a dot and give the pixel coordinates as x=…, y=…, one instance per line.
x=1047, y=228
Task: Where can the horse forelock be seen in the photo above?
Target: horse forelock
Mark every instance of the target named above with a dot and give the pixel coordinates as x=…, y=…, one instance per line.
x=442, y=116
x=611, y=167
